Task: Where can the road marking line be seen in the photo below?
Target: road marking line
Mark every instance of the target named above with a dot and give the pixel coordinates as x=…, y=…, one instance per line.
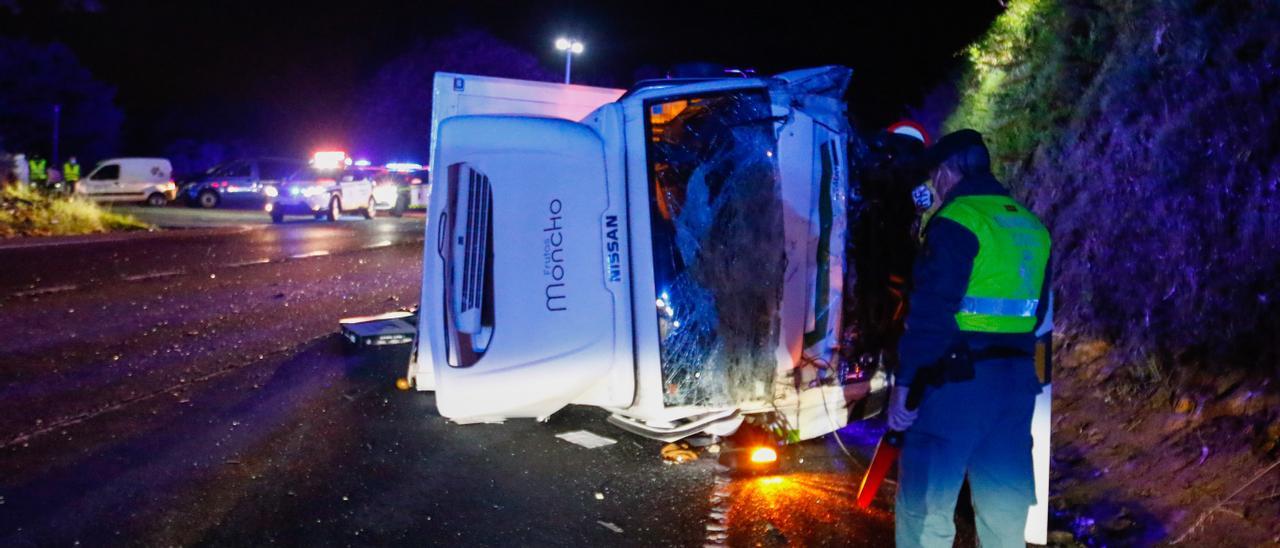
x=151, y=275
x=45, y=290
x=383, y=243
x=184, y=232
x=716, y=524
x=249, y=263
x=320, y=253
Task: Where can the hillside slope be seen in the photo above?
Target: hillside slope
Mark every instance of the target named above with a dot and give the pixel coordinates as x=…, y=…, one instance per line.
x=1146, y=135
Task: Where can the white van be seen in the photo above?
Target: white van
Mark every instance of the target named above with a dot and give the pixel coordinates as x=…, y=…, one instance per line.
x=147, y=180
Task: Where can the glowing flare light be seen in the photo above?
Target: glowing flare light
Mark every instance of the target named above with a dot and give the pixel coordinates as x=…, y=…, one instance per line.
x=764, y=455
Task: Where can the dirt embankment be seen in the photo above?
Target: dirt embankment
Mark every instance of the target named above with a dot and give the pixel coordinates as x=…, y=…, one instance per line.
x=1146, y=134
x=1141, y=458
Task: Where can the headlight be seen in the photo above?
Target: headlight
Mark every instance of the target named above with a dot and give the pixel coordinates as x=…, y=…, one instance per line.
x=271, y=192
x=385, y=193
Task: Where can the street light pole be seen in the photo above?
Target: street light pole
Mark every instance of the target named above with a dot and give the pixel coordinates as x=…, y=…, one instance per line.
x=57, y=121
x=570, y=48
x=568, y=64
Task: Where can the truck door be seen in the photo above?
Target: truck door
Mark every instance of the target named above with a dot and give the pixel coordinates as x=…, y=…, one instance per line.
x=518, y=318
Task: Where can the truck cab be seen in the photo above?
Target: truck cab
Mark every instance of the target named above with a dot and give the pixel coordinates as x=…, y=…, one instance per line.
x=675, y=256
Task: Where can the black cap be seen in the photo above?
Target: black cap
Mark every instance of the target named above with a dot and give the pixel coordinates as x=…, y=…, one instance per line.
x=965, y=144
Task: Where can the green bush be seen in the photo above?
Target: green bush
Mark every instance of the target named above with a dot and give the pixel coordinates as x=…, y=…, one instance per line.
x=27, y=212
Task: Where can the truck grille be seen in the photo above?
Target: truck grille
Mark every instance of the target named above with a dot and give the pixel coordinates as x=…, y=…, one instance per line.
x=470, y=265
x=475, y=240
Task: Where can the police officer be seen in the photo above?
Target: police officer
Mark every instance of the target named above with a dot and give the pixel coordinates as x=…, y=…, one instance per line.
x=71, y=173
x=980, y=291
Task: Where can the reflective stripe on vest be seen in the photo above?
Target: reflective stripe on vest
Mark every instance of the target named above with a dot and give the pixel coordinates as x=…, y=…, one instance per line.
x=1023, y=308
x=1013, y=252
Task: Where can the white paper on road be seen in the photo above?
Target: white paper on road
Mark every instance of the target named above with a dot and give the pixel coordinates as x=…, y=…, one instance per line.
x=586, y=439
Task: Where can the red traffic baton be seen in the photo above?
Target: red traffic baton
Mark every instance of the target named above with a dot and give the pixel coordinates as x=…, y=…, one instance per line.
x=887, y=451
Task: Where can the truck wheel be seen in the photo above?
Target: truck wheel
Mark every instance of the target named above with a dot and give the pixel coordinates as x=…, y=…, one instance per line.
x=156, y=199
x=208, y=199
x=368, y=210
x=335, y=209
x=277, y=216
x=402, y=203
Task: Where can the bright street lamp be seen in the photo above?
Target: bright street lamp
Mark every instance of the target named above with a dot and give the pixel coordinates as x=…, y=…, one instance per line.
x=570, y=48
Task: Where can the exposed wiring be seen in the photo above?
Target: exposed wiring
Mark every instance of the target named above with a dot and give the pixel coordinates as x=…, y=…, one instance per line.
x=824, y=365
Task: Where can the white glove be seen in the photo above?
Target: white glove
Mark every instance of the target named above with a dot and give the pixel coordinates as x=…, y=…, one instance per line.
x=900, y=418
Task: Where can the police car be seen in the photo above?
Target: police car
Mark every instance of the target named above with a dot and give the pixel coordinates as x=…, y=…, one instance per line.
x=241, y=181
x=330, y=186
x=399, y=186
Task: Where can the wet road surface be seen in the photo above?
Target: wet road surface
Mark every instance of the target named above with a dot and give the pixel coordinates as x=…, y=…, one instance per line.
x=214, y=406
x=42, y=266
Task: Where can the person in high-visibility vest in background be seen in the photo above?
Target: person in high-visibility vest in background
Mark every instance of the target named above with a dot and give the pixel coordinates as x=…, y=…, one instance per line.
x=980, y=292
x=39, y=168
x=71, y=173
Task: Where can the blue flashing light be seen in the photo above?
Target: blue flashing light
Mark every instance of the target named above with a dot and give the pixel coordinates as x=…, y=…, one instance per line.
x=404, y=166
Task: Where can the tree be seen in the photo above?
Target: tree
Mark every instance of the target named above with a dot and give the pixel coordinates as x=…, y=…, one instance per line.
x=394, y=111
x=34, y=78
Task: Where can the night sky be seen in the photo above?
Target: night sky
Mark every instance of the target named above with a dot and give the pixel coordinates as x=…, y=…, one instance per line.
x=278, y=73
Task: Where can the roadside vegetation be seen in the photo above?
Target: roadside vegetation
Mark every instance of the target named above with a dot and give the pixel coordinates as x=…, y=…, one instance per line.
x=27, y=212
x=1146, y=135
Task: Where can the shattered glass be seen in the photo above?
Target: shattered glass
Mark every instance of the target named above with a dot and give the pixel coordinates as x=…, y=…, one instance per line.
x=718, y=245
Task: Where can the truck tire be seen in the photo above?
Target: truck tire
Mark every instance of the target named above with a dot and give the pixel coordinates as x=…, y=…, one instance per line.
x=156, y=199
x=277, y=216
x=368, y=212
x=335, y=209
x=208, y=199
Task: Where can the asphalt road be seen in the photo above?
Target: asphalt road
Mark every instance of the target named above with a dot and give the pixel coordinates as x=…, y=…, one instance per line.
x=187, y=387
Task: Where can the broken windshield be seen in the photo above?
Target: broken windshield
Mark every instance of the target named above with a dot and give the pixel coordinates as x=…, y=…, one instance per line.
x=716, y=217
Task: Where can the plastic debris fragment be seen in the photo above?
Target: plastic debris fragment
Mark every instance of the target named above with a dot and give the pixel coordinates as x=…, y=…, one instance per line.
x=586, y=439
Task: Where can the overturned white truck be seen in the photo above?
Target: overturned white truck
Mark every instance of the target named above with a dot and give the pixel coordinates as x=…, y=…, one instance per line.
x=674, y=254
x=680, y=254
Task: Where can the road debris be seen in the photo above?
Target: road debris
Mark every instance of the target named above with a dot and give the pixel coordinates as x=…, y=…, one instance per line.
x=586, y=439
x=678, y=453
x=610, y=526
